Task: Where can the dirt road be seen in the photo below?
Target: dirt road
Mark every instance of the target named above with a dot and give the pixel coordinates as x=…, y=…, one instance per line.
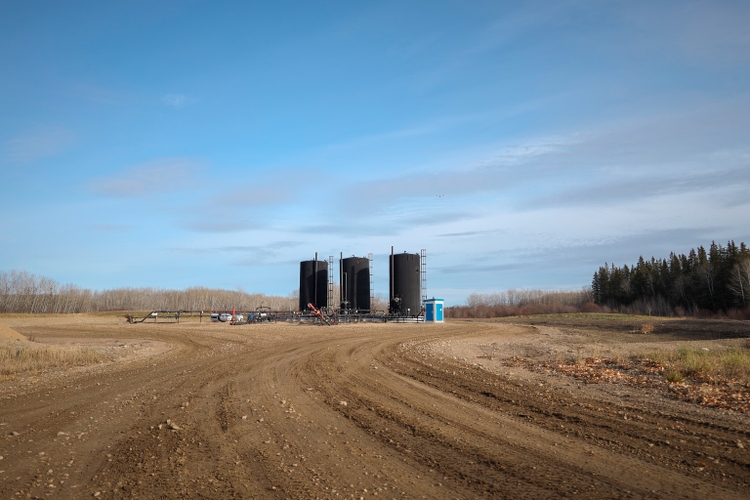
x=297, y=411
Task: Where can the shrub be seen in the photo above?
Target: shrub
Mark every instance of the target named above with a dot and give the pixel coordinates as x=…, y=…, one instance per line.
x=647, y=328
x=590, y=307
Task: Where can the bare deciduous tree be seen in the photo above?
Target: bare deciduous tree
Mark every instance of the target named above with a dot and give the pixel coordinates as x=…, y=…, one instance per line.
x=739, y=281
x=23, y=292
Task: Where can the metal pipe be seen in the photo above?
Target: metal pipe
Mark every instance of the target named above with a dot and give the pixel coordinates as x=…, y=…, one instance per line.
x=315, y=280
x=341, y=279
x=390, y=299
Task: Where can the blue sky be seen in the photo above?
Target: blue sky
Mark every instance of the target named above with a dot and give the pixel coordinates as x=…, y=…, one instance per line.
x=218, y=144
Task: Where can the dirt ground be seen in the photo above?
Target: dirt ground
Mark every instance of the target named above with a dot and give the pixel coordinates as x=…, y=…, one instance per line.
x=210, y=410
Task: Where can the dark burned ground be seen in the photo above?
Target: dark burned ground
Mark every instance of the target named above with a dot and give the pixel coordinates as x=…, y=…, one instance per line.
x=361, y=411
x=619, y=326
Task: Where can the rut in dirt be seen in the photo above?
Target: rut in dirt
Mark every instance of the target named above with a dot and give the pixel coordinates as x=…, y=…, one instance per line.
x=307, y=412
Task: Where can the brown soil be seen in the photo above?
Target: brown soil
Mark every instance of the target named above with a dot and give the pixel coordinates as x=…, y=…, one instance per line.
x=7, y=332
x=207, y=410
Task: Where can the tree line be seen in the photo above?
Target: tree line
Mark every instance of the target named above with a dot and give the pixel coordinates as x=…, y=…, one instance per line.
x=24, y=292
x=715, y=281
x=523, y=302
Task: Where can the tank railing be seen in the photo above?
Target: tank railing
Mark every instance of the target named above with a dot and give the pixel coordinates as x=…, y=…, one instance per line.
x=264, y=314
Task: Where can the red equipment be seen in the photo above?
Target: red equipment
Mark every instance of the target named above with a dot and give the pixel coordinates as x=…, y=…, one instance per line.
x=319, y=314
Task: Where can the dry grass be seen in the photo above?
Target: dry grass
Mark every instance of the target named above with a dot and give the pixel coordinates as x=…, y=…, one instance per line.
x=704, y=365
x=24, y=357
x=718, y=377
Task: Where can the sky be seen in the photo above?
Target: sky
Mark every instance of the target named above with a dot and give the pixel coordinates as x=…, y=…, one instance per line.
x=219, y=144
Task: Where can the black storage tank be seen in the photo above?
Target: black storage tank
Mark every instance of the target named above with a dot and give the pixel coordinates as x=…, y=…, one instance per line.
x=313, y=284
x=405, y=296
x=355, y=284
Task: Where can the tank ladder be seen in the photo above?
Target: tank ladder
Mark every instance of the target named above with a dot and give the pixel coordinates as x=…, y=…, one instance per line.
x=423, y=274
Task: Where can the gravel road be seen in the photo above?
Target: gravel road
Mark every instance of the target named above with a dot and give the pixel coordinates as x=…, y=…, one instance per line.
x=206, y=410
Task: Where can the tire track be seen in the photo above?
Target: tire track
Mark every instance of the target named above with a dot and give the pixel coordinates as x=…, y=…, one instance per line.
x=299, y=411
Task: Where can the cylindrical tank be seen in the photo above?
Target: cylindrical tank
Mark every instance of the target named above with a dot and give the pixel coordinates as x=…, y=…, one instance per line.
x=405, y=296
x=355, y=284
x=313, y=284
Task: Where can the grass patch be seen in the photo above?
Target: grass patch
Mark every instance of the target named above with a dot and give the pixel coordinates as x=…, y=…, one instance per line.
x=674, y=376
x=693, y=362
x=704, y=365
x=28, y=357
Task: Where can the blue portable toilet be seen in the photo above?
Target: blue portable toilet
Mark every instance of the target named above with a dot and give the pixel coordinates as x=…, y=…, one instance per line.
x=433, y=310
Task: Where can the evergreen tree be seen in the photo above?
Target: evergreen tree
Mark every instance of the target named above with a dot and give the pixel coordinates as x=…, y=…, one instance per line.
x=717, y=279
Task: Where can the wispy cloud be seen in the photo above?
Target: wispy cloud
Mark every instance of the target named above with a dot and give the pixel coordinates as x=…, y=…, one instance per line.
x=241, y=203
x=705, y=31
x=468, y=234
x=264, y=254
x=425, y=128
x=268, y=188
x=519, y=23
x=176, y=100
x=221, y=224
x=98, y=94
x=550, y=264
x=669, y=152
x=499, y=172
x=613, y=191
x=244, y=255
x=162, y=175
x=623, y=249
x=38, y=143
x=112, y=227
